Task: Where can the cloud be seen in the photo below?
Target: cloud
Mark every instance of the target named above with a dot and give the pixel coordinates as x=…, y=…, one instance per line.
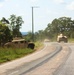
x=34, y=1
x=49, y=12
x=59, y=1
x=6, y=0
x=70, y=6
x=1, y=4
x=3, y=0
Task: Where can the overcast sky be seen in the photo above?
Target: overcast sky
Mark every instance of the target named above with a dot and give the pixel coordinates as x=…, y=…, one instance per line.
x=47, y=11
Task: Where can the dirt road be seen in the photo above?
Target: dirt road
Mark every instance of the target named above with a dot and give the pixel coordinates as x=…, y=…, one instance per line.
x=43, y=62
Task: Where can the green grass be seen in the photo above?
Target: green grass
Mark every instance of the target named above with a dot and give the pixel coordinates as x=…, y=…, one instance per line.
x=71, y=40
x=38, y=44
x=8, y=54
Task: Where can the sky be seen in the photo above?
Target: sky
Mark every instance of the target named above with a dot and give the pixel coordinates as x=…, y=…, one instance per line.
x=45, y=11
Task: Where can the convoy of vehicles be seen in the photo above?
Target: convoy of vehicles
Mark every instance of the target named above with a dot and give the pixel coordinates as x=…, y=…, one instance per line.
x=22, y=43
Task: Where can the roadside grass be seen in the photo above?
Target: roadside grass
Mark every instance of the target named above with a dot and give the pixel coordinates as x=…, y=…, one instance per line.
x=8, y=54
x=71, y=40
x=38, y=45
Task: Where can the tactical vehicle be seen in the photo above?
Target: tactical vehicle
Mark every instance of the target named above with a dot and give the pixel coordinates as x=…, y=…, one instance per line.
x=62, y=38
x=20, y=43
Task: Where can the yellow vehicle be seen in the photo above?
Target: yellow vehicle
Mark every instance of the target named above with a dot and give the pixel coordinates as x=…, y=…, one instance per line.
x=61, y=38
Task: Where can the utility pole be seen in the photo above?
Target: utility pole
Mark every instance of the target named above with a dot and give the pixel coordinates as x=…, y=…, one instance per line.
x=33, y=23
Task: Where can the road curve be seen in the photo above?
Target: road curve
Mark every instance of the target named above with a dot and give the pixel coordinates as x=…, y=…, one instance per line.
x=68, y=67
x=30, y=62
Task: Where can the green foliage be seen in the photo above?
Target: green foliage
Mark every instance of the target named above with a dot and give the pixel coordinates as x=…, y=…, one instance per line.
x=61, y=25
x=38, y=44
x=10, y=29
x=5, y=34
x=4, y=20
x=15, y=25
x=8, y=54
x=64, y=25
x=29, y=36
x=40, y=35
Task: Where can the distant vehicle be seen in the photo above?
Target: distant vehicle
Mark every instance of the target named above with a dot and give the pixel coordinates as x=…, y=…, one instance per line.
x=46, y=40
x=20, y=43
x=61, y=38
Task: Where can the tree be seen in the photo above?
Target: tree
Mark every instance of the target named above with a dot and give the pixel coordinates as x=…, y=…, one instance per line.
x=4, y=20
x=15, y=25
x=5, y=34
x=48, y=32
x=28, y=37
x=67, y=26
x=61, y=25
x=40, y=35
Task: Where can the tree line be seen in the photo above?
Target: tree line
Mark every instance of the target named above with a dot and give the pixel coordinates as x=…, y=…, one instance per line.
x=64, y=25
x=10, y=28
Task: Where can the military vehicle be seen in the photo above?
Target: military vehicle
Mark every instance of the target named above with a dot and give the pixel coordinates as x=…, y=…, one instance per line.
x=62, y=38
x=20, y=43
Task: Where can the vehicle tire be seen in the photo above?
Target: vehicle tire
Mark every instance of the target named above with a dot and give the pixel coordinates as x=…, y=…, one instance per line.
x=31, y=45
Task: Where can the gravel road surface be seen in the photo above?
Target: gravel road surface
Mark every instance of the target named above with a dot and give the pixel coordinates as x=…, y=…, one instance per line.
x=68, y=67
x=50, y=67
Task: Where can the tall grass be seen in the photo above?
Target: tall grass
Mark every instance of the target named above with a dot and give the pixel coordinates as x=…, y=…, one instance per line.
x=71, y=40
x=38, y=45
x=8, y=54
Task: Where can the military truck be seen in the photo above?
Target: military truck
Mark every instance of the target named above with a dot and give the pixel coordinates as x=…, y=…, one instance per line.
x=20, y=43
x=62, y=38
